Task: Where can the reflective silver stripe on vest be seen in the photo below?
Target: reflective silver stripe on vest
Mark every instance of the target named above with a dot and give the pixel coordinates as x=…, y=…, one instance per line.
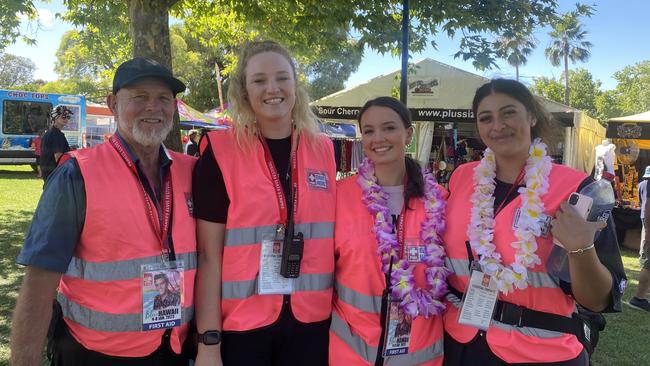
x=233, y=290
x=253, y=235
x=369, y=304
x=529, y=331
x=369, y=353
x=120, y=270
x=535, y=279
x=108, y=322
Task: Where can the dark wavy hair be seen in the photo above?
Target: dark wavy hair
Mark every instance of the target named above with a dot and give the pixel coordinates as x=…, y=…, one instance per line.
x=514, y=89
x=415, y=184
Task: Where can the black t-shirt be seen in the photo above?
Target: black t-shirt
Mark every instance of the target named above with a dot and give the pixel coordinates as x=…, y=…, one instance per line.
x=54, y=141
x=210, y=197
x=192, y=149
x=606, y=244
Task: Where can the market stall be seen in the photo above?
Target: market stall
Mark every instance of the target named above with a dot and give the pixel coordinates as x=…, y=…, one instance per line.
x=631, y=135
x=440, y=99
x=191, y=118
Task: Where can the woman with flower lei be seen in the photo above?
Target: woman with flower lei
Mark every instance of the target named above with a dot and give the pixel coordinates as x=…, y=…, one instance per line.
x=503, y=213
x=390, y=272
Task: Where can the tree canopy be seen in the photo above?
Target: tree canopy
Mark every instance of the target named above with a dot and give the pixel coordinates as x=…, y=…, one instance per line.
x=633, y=89
x=569, y=42
x=15, y=70
x=11, y=12
x=584, y=90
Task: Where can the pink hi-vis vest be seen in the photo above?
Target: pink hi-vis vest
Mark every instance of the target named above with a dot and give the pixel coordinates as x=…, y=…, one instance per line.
x=254, y=213
x=356, y=328
x=511, y=343
x=100, y=293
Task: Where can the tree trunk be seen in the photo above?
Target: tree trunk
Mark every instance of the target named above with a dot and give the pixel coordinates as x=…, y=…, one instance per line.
x=149, y=27
x=517, y=71
x=566, y=74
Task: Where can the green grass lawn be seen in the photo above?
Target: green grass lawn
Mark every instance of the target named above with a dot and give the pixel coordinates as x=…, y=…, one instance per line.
x=19, y=193
x=623, y=342
x=625, y=339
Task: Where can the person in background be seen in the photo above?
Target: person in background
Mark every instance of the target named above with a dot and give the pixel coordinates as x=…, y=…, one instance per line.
x=193, y=144
x=36, y=145
x=103, y=223
x=270, y=172
x=502, y=216
x=54, y=143
x=388, y=246
x=639, y=300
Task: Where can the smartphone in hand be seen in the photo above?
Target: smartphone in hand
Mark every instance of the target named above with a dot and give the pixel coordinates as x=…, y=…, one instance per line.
x=582, y=204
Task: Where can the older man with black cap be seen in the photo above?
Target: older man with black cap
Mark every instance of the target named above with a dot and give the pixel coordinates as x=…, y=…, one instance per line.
x=110, y=220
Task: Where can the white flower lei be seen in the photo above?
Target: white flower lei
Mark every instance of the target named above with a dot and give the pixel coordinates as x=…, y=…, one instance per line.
x=481, y=227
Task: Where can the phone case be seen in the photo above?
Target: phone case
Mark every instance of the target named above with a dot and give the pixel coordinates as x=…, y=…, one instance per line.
x=582, y=204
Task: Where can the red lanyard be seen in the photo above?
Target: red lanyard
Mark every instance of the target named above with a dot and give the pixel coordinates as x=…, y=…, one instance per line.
x=515, y=185
x=165, y=209
x=400, y=230
x=275, y=177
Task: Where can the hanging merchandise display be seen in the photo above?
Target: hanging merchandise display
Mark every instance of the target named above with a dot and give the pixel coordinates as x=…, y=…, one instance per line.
x=627, y=189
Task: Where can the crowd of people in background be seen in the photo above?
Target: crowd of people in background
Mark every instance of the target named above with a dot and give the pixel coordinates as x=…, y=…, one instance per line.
x=274, y=262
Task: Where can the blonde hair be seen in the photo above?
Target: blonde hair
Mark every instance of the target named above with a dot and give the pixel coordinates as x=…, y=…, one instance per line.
x=244, y=118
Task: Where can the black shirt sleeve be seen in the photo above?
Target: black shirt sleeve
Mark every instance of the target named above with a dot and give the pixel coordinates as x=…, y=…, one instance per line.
x=210, y=197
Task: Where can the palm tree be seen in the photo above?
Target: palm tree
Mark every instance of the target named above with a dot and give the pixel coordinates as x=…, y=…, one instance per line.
x=516, y=48
x=568, y=43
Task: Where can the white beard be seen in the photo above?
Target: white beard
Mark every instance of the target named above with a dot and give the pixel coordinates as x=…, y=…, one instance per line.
x=151, y=138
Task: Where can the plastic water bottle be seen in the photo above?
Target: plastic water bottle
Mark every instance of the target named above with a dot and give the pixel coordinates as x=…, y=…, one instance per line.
x=602, y=194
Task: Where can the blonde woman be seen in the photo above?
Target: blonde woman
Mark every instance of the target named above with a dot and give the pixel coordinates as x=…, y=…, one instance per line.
x=264, y=203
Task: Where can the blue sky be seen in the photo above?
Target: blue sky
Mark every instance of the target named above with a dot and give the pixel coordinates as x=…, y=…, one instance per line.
x=619, y=31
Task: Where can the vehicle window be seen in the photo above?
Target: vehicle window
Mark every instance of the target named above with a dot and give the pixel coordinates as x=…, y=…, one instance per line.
x=24, y=118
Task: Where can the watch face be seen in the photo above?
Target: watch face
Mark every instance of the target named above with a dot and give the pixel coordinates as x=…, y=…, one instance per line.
x=211, y=337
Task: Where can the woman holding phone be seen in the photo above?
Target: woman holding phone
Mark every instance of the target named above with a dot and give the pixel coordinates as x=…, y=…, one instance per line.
x=503, y=213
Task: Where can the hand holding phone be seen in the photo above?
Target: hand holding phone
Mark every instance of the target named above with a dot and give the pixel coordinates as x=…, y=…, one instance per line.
x=582, y=204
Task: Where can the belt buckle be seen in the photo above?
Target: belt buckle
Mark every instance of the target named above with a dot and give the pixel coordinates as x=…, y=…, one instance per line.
x=511, y=314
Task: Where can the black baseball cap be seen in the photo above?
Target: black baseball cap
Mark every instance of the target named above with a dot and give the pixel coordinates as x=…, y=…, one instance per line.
x=140, y=67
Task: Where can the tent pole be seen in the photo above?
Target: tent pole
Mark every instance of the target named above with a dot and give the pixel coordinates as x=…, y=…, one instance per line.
x=218, y=76
x=405, y=51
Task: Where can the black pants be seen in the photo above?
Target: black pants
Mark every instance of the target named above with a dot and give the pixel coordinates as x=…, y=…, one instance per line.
x=477, y=352
x=285, y=342
x=68, y=352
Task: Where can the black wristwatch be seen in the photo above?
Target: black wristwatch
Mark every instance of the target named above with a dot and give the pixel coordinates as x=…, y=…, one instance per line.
x=210, y=337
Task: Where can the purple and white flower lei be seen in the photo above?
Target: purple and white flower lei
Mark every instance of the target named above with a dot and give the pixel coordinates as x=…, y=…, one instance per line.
x=414, y=301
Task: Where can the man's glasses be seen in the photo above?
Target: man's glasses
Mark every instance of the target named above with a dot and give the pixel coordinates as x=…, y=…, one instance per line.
x=66, y=117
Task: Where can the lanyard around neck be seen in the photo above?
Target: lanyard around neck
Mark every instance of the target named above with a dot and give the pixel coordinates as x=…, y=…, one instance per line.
x=277, y=184
x=160, y=225
x=515, y=185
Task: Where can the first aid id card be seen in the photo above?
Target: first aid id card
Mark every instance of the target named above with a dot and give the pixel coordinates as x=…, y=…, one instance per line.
x=479, y=301
x=162, y=295
x=270, y=280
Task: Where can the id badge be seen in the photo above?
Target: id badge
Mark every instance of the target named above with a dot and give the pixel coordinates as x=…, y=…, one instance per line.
x=162, y=295
x=479, y=301
x=414, y=250
x=398, y=331
x=544, y=222
x=270, y=281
